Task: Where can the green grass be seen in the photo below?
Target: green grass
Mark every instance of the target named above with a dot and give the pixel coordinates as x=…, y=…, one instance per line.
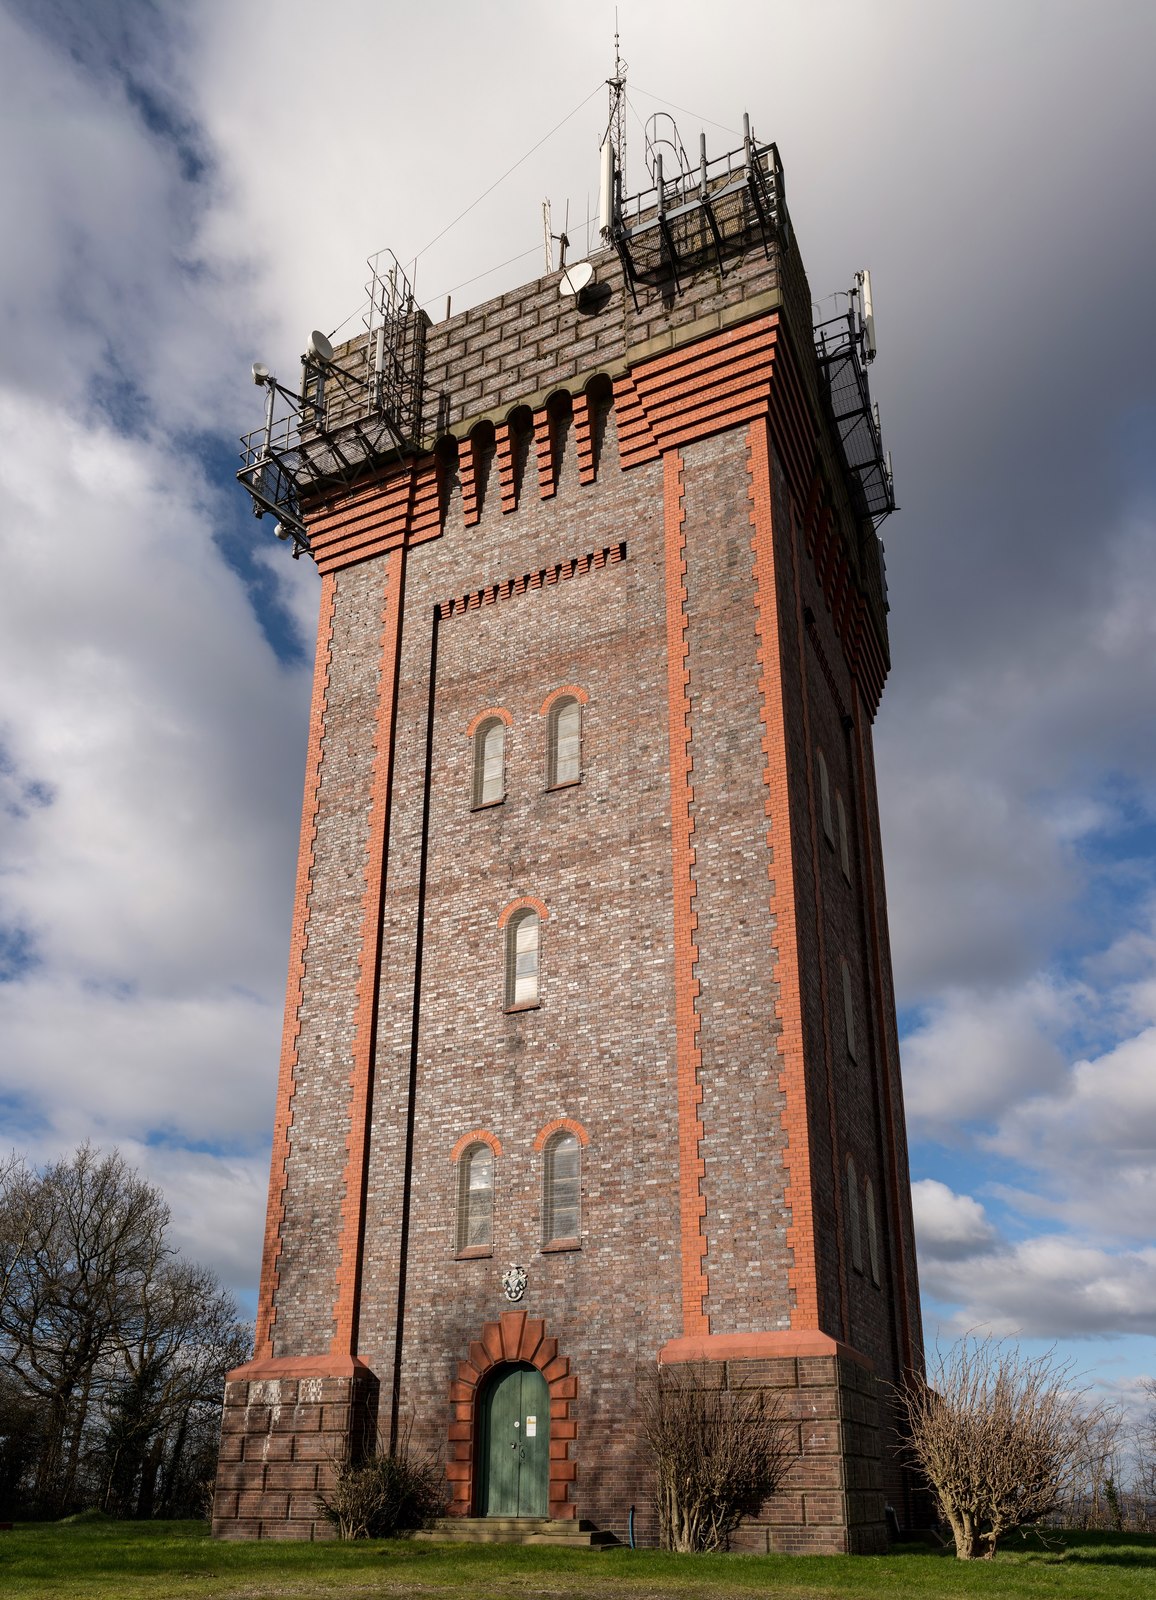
x=89, y=1560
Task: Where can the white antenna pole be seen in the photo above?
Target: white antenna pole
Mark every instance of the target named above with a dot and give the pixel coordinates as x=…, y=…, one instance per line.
x=606, y=191
x=547, y=237
x=868, y=315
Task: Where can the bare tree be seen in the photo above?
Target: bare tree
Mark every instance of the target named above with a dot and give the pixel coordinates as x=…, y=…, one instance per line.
x=1094, y=1493
x=119, y=1349
x=96, y=1233
x=999, y=1437
x=171, y=1355
x=717, y=1453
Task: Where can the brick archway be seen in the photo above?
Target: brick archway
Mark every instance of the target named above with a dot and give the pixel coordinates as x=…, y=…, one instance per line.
x=515, y=1336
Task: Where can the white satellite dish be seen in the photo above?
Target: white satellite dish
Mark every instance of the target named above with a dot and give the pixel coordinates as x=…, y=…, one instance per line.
x=576, y=278
x=260, y=372
x=320, y=348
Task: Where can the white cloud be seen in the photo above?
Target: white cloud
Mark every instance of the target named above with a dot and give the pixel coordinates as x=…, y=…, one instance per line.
x=1051, y=1287
x=949, y=1226
x=976, y=1054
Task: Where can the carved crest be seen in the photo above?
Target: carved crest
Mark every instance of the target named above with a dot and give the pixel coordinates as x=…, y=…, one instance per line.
x=514, y=1282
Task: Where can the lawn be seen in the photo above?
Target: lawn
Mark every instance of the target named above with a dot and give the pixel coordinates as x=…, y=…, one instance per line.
x=178, y=1561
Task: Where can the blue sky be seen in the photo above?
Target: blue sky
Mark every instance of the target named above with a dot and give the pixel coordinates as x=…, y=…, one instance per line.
x=187, y=189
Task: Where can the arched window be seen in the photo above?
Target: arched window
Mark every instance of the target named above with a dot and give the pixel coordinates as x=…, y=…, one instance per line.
x=489, y=762
x=872, y=1230
x=825, y=797
x=849, y=1012
x=522, y=960
x=564, y=742
x=844, y=853
x=562, y=1197
x=853, y=1223
x=476, y=1198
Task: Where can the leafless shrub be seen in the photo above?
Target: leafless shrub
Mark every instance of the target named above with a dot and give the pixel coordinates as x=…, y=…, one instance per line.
x=1000, y=1437
x=380, y=1495
x=717, y=1453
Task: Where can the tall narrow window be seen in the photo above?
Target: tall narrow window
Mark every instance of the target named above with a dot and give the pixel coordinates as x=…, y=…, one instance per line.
x=490, y=763
x=853, y=1223
x=564, y=743
x=522, y=960
x=872, y=1230
x=476, y=1199
x=825, y=796
x=844, y=853
x=562, y=1208
x=849, y=1012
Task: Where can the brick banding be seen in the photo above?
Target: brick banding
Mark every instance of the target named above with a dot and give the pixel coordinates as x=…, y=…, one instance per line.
x=348, y=1286
x=692, y=1203
x=295, y=988
x=802, y=1276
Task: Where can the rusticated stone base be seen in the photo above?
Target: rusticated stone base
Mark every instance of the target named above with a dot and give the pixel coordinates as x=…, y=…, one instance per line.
x=286, y=1426
x=831, y=1500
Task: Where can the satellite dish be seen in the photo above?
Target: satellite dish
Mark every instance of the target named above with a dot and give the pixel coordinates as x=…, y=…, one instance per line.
x=260, y=373
x=281, y=531
x=320, y=348
x=576, y=278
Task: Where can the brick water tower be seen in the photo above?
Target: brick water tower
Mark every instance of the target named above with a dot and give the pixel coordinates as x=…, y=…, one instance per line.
x=590, y=1054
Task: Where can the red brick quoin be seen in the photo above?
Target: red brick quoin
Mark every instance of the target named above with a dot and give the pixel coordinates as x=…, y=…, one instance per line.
x=514, y=1337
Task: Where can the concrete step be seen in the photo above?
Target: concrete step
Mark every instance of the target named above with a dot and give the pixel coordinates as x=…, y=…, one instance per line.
x=555, y=1531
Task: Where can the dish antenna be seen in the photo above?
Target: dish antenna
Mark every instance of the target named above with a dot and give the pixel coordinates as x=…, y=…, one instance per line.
x=261, y=373
x=575, y=280
x=320, y=348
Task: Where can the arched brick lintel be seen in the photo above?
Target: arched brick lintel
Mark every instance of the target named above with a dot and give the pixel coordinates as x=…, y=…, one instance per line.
x=524, y=902
x=484, y=716
x=572, y=690
x=562, y=1125
x=479, y=1136
x=515, y=1336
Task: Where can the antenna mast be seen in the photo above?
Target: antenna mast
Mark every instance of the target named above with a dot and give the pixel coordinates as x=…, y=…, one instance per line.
x=616, y=127
x=610, y=179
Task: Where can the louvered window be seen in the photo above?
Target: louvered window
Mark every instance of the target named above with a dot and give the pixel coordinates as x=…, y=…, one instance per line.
x=844, y=853
x=872, y=1230
x=853, y=1223
x=522, y=959
x=476, y=1198
x=564, y=756
x=849, y=1012
x=825, y=796
x=563, y=1196
x=490, y=763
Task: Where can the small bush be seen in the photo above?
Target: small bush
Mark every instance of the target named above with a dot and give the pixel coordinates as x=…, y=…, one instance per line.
x=999, y=1436
x=717, y=1454
x=383, y=1495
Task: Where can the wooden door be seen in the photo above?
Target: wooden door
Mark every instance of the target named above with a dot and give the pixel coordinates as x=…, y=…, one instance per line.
x=514, y=1458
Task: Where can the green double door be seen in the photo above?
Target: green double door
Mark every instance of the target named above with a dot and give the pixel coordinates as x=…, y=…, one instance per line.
x=515, y=1445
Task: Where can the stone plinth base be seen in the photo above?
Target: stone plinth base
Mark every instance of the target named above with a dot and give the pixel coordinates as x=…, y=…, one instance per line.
x=286, y=1426
x=831, y=1500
